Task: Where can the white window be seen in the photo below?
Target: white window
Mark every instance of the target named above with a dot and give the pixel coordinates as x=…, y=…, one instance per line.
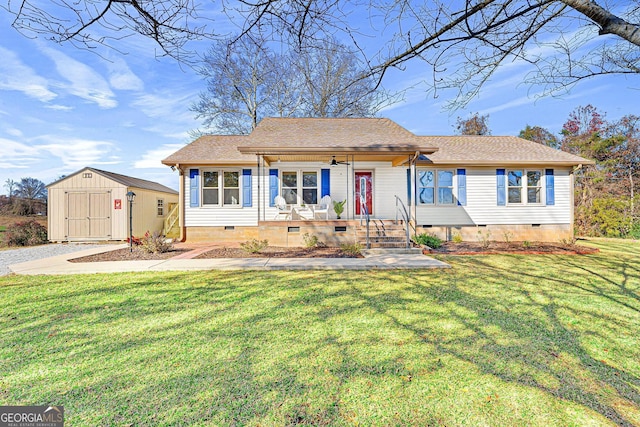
x=435, y=187
x=300, y=187
x=514, y=186
x=534, y=186
x=210, y=186
x=231, y=188
x=290, y=187
x=426, y=187
x=310, y=187
x=220, y=188
x=160, y=206
x=521, y=180
x=445, y=187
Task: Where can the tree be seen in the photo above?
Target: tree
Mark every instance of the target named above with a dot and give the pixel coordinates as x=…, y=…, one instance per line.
x=474, y=125
x=472, y=37
x=246, y=81
x=625, y=158
x=30, y=191
x=239, y=85
x=10, y=185
x=540, y=135
x=331, y=83
x=577, y=38
x=88, y=24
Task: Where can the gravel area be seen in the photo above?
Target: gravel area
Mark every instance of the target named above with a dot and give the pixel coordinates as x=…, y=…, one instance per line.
x=16, y=256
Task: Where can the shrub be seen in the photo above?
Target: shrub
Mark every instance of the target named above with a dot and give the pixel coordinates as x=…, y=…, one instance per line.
x=254, y=246
x=353, y=249
x=526, y=244
x=310, y=240
x=568, y=242
x=457, y=238
x=508, y=235
x=434, y=242
x=634, y=233
x=484, y=238
x=155, y=243
x=27, y=233
x=607, y=216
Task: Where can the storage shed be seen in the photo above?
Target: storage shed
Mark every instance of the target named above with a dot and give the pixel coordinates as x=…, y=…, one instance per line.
x=91, y=204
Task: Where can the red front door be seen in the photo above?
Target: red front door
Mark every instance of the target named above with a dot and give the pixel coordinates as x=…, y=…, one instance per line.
x=364, y=191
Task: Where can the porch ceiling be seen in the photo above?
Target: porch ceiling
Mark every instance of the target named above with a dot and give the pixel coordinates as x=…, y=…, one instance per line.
x=397, y=155
x=326, y=158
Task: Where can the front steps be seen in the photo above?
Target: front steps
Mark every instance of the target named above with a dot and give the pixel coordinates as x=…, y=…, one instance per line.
x=383, y=234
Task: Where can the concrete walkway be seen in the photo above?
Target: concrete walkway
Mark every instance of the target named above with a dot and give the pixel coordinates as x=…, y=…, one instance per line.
x=61, y=265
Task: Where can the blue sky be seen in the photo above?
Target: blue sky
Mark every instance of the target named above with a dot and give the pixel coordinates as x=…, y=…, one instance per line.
x=63, y=108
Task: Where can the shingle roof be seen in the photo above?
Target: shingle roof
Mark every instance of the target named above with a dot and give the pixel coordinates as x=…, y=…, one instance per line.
x=334, y=132
x=130, y=181
x=489, y=150
x=364, y=134
x=209, y=149
x=124, y=180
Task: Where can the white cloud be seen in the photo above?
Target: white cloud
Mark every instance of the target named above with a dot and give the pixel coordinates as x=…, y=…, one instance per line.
x=15, y=132
x=173, y=118
x=523, y=100
x=163, y=105
x=17, y=155
x=76, y=153
x=153, y=158
x=59, y=107
x=15, y=75
x=84, y=82
x=121, y=77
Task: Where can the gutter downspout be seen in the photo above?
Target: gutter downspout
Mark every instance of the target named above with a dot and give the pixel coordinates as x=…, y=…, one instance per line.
x=181, y=210
x=573, y=197
x=258, y=177
x=414, y=193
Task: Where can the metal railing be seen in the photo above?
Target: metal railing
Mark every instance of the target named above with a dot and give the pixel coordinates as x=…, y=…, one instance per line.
x=363, y=208
x=402, y=210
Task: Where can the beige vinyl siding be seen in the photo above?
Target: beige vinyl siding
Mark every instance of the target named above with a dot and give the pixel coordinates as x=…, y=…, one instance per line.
x=482, y=208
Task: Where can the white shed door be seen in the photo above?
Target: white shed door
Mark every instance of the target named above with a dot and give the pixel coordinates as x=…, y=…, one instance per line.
x=88, y=215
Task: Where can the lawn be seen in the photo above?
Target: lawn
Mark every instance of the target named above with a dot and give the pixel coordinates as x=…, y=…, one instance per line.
x=497, y=340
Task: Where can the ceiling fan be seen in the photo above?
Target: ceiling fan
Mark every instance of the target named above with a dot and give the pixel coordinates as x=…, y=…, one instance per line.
x=335, y=162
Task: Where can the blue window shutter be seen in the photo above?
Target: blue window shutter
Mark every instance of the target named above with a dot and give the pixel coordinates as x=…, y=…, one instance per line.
x=194, y=188
x=501, y=187
x=551, y=196
x=325, y=177
x=462, y=187
x=273, y=186
x=409, y=187
x=246, y=187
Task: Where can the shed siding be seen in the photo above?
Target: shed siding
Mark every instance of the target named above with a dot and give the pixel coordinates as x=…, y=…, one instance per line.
x=102, y=192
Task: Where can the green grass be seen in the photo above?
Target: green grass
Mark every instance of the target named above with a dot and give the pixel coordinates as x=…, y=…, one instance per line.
x=496, y=340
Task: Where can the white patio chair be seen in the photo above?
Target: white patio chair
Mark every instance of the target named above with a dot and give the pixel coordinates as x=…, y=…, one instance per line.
x=323, y=207
x=283, y=209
